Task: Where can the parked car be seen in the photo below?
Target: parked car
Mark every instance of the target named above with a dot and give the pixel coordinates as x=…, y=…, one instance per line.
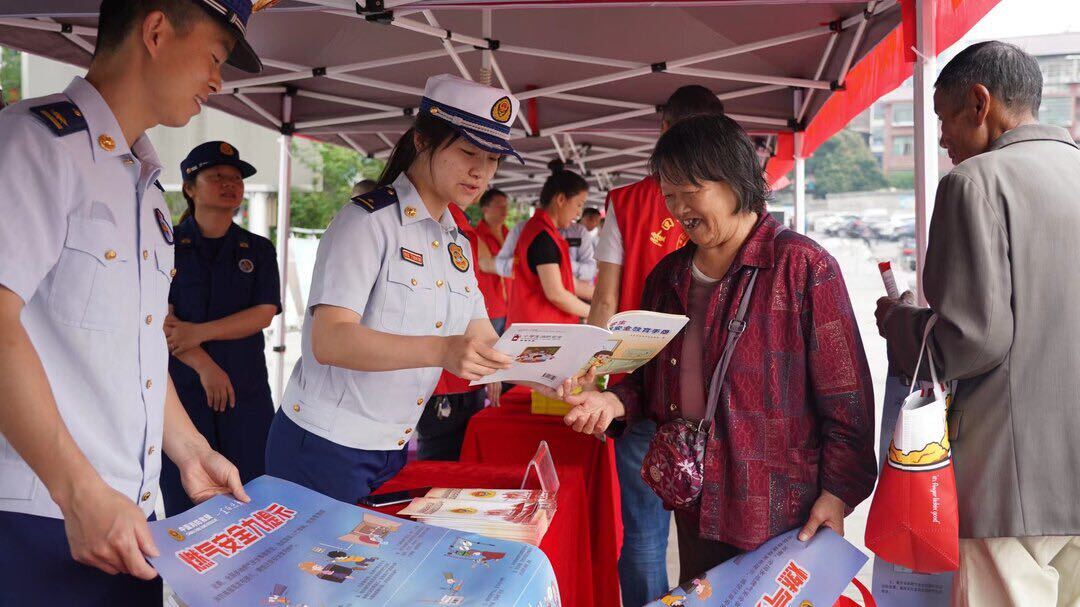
x=907, y=253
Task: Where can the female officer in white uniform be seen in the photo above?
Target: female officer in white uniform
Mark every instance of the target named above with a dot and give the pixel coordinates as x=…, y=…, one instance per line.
x=394, y=300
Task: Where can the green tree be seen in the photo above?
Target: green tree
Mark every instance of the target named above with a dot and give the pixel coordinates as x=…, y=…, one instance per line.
x=336, y=170
x=844, y=164
x=10, y=75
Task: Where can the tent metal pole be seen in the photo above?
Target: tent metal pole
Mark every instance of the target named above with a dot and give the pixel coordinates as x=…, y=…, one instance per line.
x=355, y=146
x=345, y=101
x=430, y=17
x=829, y=47
x=48, y=26
x=340, y=69
x=744, y=77
x=855, y=42
x=506, y=85
x=800, y=185
x=926, y=151
x=283, y=225
x=258, y=110
x=310, y=124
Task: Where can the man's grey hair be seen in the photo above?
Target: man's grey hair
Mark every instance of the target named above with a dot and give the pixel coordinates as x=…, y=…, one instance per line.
x=1011, y=75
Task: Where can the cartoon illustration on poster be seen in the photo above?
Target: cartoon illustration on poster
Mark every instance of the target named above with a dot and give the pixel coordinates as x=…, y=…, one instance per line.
x=291, y=546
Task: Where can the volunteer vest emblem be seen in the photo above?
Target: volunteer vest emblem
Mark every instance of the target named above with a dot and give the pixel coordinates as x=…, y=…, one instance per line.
x=657, y=238
x=164, y=226
x=247, y=266
x=502, y=109
x=683, y=239
x=458, y=257
x=668, y=223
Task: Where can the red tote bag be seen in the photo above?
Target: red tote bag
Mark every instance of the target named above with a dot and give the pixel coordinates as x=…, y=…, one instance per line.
x=913, y=518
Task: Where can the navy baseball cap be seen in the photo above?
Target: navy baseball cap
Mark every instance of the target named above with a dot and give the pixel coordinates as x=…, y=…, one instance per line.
x=234, y=15
x=212, y=154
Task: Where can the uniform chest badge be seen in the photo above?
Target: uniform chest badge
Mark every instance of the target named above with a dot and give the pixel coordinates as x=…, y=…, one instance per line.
x=458, y=257
x=412, y=256
x=164, y=226
x=247, y=266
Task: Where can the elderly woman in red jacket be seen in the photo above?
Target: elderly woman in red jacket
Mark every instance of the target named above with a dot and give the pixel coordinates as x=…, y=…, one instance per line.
x=793, y=434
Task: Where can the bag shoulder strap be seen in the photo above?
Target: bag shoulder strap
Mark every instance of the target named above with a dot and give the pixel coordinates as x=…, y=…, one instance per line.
x=736, y=327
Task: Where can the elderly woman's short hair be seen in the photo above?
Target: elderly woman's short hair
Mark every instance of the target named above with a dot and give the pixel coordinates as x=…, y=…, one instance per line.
x=1012, y=76
x=712, y=148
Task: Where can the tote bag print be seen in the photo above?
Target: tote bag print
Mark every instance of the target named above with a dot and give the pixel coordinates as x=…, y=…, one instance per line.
x=913, y=518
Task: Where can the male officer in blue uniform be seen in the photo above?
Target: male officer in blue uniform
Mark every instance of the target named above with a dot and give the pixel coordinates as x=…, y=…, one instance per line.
x=225, y=293
x=86, y=405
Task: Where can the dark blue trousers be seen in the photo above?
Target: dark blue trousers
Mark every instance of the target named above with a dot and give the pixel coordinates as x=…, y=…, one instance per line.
x=238, y=433
x=36, y=568
x=343, y=473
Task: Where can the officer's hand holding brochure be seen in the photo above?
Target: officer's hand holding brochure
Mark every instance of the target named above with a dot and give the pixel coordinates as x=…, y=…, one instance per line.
x=293, y=546
x=549, y=354
x=782, y=571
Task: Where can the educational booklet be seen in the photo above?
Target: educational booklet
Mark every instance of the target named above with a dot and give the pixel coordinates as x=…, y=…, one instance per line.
x=497, y=496
x=294, y=547
x=549, y=354
x=518, y=521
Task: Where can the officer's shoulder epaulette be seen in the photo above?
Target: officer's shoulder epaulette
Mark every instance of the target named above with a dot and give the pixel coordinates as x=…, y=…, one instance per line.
x=61, y=117
x=379, y=198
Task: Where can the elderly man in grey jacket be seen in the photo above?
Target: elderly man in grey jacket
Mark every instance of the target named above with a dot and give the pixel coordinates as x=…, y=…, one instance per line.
x=1003, y=274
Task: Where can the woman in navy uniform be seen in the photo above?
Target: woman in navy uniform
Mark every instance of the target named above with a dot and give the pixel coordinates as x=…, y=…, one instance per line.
x=225, y=292
x=394, y=301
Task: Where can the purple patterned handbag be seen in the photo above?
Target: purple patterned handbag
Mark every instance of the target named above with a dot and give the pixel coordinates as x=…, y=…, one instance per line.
x=673, y=466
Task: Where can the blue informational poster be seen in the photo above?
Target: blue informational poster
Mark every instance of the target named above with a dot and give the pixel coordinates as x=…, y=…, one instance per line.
x=293, y=547
x=896, y=586
x=782, y=572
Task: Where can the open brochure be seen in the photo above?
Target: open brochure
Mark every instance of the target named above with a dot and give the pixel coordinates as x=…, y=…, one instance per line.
x=549, y=354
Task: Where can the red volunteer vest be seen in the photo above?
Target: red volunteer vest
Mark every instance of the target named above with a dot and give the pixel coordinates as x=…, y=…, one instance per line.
x=495, y=288
x=527, y=300
x=649, y=233
x=448, y=382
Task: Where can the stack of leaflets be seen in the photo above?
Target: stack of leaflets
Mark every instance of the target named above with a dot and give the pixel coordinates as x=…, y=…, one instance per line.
x=521, y=515
x=549, y=354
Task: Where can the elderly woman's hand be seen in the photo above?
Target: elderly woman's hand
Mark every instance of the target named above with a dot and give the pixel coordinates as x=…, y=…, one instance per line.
x=593, y=412
x=829, y=511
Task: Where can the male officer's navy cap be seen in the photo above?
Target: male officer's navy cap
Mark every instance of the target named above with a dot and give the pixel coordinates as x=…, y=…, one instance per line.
x=234, y=14
x=212, y=154
x=482, y=114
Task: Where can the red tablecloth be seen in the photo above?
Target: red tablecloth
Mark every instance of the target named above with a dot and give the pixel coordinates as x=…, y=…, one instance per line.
x=509, y=434
x=568, y=537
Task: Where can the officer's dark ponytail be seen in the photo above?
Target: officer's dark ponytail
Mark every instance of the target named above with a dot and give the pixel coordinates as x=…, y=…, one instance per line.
x=190, y=211
x=561, y=181
x=436, y=134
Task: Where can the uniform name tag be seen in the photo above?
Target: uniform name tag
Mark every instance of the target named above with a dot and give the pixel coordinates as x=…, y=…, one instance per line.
x=412, y=256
